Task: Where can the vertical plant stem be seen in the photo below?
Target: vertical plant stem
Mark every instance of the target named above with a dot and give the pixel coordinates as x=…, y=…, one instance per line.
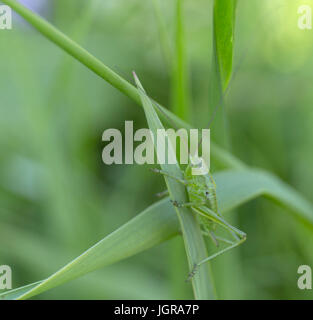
x=222, y=64
x=163, y=34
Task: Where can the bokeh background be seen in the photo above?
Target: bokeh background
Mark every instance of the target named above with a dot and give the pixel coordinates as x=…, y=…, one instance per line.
x=57, y=198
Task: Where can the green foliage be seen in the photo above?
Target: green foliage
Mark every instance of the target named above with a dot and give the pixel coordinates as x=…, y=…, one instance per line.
x=158, y=223
x=60, y=202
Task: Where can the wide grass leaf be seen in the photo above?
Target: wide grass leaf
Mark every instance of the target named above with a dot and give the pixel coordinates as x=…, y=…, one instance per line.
x=236, y=187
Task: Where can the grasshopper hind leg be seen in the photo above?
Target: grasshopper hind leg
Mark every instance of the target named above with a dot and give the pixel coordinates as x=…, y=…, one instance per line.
x=197, y=265
x=212, y=236
x=234, y=245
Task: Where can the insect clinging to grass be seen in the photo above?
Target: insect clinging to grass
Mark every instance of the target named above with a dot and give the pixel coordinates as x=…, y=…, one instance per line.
x=202, y=200
x=201, y=191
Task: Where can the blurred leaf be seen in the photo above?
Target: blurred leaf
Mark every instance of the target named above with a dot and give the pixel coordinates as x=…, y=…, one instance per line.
x=224, y=25
x=180, y=90
x=221, y=68
x=163, y=34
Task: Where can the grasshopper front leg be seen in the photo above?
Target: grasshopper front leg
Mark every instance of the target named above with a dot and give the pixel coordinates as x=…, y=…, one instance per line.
x=234, y=245
x=187, y=204
x=167, y=174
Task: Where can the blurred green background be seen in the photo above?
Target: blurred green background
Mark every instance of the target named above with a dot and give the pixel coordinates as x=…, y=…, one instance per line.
x=57, y=198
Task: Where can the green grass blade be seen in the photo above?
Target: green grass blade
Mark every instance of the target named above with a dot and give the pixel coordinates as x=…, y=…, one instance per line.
x=239, y=186
x=222, y=63
x=180, y=87
x=159, y=223
x=224, y=26
x=194, y=244
x=151, y=227
x=16, y=293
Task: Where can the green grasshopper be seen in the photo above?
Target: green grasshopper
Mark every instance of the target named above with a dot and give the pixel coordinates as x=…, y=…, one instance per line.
x=201, y=191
